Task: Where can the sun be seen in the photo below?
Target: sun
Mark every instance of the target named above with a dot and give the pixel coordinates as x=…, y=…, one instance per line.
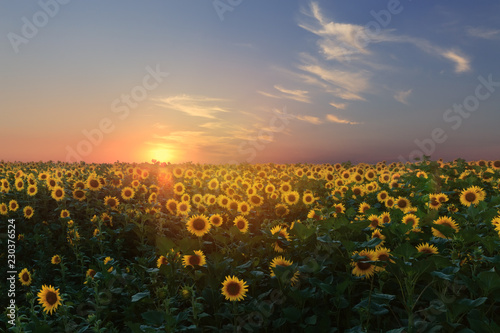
x=160, y=155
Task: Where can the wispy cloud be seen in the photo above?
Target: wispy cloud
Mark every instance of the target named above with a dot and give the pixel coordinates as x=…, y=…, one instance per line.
x=337, y=105
x=346, y=42
x=462, y=64
x=334, y=119
x=298, y=95
x=484, y=33
x=310, y=119
x=197, y=106
x=402, y=96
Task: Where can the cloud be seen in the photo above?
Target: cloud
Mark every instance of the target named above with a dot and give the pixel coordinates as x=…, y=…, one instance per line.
x=337, y=105
x=346, y=42
x=334, y=119
x=298, y=95
x=402, y=96
x=211, y=125
x=462, y=64
x=309, y=119
x=484, y=33
x=196, y=106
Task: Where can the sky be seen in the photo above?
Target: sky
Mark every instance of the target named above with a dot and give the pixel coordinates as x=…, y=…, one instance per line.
x=249, y=81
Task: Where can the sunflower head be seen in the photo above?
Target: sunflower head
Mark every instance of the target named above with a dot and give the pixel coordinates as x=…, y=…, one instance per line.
x=49, y=298
x=234, y=289
x=25, y=277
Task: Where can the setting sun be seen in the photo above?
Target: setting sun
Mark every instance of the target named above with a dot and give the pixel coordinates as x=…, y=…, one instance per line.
x=161, y=155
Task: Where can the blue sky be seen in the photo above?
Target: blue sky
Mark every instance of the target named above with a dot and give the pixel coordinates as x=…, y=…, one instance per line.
x=249, y=81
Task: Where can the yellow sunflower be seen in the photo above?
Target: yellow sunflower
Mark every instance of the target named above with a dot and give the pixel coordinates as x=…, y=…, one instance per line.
x=280, y=261
x=32, y=190
x=198, y=225
x=281, y=210
x=57, y=193
x=411, y=219
x=196, y=259
x=49, y=298
x=127, y=193
x=25, y=277
x=363, y=207
x=447, y=221
x=93, y=183
x=308, y=198
x=244, y=208
x=171, y=206
x=362, y=265
x=241, y=223
x=112, y=202
x=280, y=231
x=79, y=194
x=55, y=260
x=291, y=197
x=470, y=196
x=216, y=220
x=4, y=210
x=13, y=205
x=234, y=289
x=426, y=248
x=183, y=208
x=162, y=260
x=28, y=212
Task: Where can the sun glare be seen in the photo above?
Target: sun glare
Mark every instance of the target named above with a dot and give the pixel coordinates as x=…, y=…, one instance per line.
x=161, y=155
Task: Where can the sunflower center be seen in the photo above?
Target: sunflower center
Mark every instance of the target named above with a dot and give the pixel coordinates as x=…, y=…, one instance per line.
x=51, y=297
x=383, y=257
x=402, y=204
x=233, y=288
x=426, y=250
x=198, y=224
x=363, y=265
x=470, y=197
x=26, y=277
x=59, y=193
x=240, y=224
x=94, y=183
x=194, y=260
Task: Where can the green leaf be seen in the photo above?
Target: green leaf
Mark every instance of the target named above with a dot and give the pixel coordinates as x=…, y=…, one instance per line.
x=291, y=314
x=140, y=295
x=489, y=281
x=154, y=317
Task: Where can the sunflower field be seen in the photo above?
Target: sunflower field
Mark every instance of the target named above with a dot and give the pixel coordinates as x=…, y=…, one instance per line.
x=158, y=247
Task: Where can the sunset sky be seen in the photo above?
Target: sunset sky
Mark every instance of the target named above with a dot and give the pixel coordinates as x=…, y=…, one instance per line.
x=225, y=81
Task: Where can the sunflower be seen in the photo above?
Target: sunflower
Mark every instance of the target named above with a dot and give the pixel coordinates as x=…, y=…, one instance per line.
x=281, y=210
x=127, y=193
x=308, y=198
x=13, y=205
x=216, y=220
x=171, y=206
x=4, y=210
x=213, y=184
x=339, y=208
x=233, y=205
x=244, y=208
x=426, y=248
x=196, y=259
x=57, y=193
x=447, y=221
x=93, y=183
x=183, y=208
x=279, y=261
x=469, y=197
x=112, y=202
x=234, y=289
x=28, y=212
x=383, y=254
x=411, y=219
x=241, y=223
x=496, y=164
x=197, y=199
x=378, y=234
x=198, y=225
x=280, y=231
x=403, y=204
x=434, y=202
x=49, y=298
x=389, y=202
x=385, y=217
x=55, y=260
x=79, y=194
x=382, y=196
x=255, y=200
x=64, y=213
x=162, y=260
x=362, y=265
x=25, y=277
x=291, y=197
x=363, y=207
x=375, y=221
x=32, y=190
x=106, y=261
x=179, y=188
x=90, y=273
